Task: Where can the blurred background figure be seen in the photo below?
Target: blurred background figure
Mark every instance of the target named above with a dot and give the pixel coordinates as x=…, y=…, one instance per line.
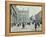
x=36, y=22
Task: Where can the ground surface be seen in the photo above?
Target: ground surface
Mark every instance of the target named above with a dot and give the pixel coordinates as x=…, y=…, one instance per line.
x=27, y=28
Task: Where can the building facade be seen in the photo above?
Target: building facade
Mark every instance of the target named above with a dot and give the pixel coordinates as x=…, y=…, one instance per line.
x=22, y=16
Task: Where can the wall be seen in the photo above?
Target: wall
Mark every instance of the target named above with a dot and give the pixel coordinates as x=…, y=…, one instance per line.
x=2, y=19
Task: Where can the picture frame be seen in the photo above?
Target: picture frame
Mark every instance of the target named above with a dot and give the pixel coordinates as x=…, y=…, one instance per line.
x=8, y=18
